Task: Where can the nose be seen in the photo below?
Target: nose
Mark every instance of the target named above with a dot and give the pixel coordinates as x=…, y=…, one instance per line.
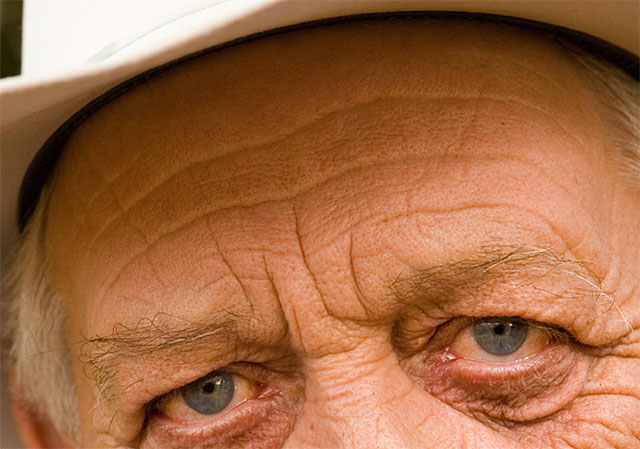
x=363, y=399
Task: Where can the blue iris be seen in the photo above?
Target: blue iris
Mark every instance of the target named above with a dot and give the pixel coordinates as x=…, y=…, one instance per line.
x=210, y=394
x=500, y=335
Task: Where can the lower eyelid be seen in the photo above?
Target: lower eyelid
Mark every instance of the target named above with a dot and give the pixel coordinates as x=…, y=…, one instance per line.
x=518, y=366
x=520, y=390
x=209, y=432
x=271, y=410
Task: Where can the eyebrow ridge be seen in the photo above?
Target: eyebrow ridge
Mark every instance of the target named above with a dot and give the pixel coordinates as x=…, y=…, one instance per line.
x=149, y=335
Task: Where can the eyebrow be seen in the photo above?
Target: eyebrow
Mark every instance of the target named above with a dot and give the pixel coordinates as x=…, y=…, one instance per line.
x=490, y=263
x=104, y=354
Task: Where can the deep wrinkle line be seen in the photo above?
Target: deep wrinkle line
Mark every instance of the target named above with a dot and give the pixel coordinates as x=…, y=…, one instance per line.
x=269, y=275
x=304, y=258
x=231, y=271
x=358, y=291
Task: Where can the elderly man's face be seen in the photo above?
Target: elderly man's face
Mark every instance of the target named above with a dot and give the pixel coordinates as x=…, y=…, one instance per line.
x=380, y=235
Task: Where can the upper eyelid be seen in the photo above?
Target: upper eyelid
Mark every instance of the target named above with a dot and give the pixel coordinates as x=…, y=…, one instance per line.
x=556, y=332
x=551, y=328
x=177, y=389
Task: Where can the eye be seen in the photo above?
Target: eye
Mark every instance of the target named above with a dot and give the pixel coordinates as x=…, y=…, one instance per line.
x=217, y=392
x=500, y=339
x=211, y=394
x=500, y=336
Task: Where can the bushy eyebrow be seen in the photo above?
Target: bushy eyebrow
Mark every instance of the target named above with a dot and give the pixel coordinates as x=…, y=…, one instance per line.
x=490, y=264
x=149, y=335
x=104, y=354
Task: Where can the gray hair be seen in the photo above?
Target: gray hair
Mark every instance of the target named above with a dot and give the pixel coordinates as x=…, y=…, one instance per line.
x=620, y=96
x=35, y=317
x=34, y=325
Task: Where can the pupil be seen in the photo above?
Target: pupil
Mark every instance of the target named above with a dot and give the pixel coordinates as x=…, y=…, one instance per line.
x=499, y=329
x=208, y=388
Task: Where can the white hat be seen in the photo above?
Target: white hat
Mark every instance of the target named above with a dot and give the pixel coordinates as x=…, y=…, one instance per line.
x=75, y=50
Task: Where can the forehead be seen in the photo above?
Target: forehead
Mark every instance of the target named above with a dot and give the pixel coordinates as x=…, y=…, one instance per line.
x=322, y=113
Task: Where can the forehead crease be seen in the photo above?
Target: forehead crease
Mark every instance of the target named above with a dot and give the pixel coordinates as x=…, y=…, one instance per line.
x=303, y=158
x=281, y=135
x=354, y=194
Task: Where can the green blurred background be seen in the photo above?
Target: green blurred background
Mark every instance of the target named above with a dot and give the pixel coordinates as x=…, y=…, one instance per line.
x=10, y=37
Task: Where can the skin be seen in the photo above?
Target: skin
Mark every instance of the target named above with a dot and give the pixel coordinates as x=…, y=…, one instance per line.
x=307, y=200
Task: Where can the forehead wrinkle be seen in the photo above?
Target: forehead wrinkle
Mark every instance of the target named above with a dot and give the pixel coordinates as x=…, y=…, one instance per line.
x=409, y=187
x=95, y=238
x=344, y=173
x=148, y=190
x=509, y=62
x=313, y=122
x=377, y=216
x=232, y=154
